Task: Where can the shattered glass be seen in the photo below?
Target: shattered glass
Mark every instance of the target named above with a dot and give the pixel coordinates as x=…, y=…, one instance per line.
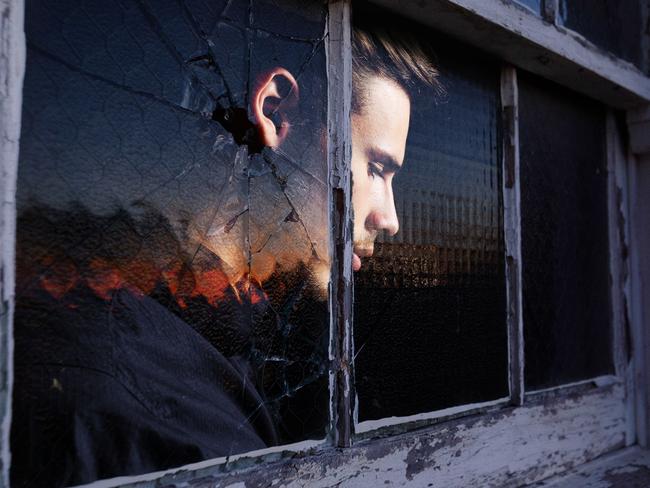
x=614, y=25
x=172, y=259
x=429, y=314
x=564, y=226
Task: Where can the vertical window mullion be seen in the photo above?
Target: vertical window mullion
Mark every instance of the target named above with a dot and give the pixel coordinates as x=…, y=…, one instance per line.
x=512, y=231
x=618, y=265
x=339, y=65
x=12, y=67
x=550, y=10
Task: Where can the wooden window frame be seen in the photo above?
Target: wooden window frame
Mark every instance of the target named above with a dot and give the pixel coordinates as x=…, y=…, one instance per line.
x=521, y=439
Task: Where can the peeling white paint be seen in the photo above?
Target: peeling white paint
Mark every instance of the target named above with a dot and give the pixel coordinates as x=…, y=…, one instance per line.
x=638, y=207
x=371, y=425
x=603, y=380
x=241, y=484
x=628, y=467
x=12, y=70
x=524, y=39
x=514, y=446
x=512, y=233
x=295, y=448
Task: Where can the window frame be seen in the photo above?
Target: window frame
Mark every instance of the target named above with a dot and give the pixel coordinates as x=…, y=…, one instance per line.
x=522, y=439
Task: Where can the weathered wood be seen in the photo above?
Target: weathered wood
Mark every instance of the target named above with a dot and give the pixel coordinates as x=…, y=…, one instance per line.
x=510, y=447
x=512, y=231
x=518, y=36
x=618, y=226
x=398, y=425
x=639, y=129
x=622, y=469
x=638, y=207
x=550, y=10
x=638, y=177
x=12, y=69
x=339, y=75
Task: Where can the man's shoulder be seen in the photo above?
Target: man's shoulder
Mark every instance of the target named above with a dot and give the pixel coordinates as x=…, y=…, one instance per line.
x=127, y=379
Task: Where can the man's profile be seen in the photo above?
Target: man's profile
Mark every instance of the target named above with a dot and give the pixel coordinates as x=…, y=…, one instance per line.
x=388, y=68
x=152, y=335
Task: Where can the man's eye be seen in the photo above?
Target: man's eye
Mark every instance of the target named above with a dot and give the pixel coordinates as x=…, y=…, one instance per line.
x=375, y=168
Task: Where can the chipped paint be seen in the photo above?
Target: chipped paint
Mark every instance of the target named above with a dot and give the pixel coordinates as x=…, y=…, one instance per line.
x=339, y=99
x=512, y=446
x=524, y=39
x=12, y=70
x=512, y=232
x=626, y=468
x=447, y=413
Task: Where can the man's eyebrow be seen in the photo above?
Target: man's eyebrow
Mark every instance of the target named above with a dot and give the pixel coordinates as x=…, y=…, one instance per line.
x=390, y=164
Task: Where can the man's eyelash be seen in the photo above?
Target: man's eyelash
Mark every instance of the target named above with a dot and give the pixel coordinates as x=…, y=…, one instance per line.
x=375, y=168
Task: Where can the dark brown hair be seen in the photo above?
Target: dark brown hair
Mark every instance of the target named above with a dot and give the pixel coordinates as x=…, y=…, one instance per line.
x=387, y=50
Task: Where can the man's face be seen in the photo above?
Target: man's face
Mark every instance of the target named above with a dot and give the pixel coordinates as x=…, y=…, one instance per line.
x=378, y=144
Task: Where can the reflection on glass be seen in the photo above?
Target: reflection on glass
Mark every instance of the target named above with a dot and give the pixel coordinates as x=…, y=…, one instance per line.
x=614, y=25
x=430, y=329
x=172, y=255
x=564, y=235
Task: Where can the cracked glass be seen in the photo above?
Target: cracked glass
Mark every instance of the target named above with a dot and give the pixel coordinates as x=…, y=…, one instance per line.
x=429, y=287
x=564, y=244
x=172, y=259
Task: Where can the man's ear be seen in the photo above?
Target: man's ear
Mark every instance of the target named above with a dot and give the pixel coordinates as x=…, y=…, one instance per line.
x=275, y=92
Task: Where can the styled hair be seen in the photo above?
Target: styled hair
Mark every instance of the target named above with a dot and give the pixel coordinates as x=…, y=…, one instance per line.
x=387, y=50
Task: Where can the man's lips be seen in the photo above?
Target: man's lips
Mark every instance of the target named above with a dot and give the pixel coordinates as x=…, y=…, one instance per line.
x=357, y=255
x=356, y=262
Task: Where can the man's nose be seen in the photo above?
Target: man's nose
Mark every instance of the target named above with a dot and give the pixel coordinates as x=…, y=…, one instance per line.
x=385, y=215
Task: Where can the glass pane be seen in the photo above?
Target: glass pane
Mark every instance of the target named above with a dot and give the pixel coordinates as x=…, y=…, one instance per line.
x=534, y=5
x=172, y=256
x=614, y=25
x=564, y=235
x=430, y=328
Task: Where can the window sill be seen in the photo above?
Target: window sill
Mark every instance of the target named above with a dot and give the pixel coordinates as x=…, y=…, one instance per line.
x=623, y=468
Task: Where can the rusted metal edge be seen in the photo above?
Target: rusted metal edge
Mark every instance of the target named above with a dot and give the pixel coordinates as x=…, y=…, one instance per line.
x=339, y=77
x=512, y=232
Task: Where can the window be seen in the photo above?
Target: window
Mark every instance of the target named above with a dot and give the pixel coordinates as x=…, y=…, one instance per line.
x=328, y=242
x=171, y=258
x=567, y=311
x=429, y=322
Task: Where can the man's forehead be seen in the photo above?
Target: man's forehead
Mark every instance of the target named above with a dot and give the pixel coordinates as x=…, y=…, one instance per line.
x=382, y=125
x=378, y=89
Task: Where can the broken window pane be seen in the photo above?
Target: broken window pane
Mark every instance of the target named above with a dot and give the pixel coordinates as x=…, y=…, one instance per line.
x=565, y=273
x=172, y=259
x=614, y=25
x=429, y=316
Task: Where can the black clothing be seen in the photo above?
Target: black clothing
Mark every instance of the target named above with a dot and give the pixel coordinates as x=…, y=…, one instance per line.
x=115, y=387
